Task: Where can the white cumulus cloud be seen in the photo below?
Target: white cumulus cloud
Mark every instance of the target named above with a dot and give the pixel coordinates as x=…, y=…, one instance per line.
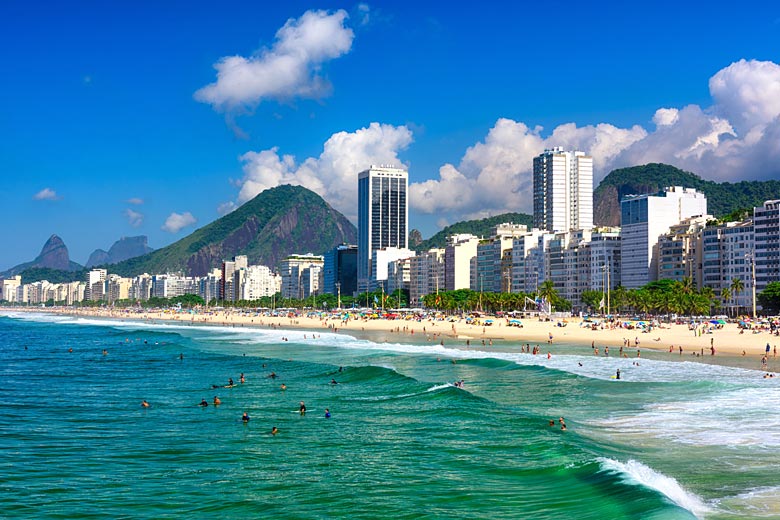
x=176, y=222
x=333, y=175
x=136, y=201
x=494, y=176
x=46, y=194
x=736, y=138
x=134, y=218
x=747, y=93
x=290, y=68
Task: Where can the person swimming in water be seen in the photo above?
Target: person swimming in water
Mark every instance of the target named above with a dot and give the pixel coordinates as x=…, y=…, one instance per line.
x=144, y=404
x=242, y=379
x=217, y=401
x=203, y=403
x=334, y=382
x=230, y=382
x=327, y=413
x=303, y=408
x=274, y=431
x=245, y=417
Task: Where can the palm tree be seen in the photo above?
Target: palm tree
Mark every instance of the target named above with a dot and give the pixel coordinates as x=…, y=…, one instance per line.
x=725, y=296
x=737, y=287
x=548, y=292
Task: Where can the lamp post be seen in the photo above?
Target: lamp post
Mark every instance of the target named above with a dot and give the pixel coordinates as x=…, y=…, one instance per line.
x=338, y=291
x=749, y=258
x=609, y=286
x=480, y=292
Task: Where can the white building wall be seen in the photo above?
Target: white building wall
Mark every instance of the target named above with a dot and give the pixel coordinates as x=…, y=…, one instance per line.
x=643, y=219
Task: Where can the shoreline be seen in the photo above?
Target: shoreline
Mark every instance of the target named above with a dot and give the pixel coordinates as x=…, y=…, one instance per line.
x=727, y=341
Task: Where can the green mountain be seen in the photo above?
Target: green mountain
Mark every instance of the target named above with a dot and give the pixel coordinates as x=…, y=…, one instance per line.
x=278, y=222
x=722, y=197
x=481, y=227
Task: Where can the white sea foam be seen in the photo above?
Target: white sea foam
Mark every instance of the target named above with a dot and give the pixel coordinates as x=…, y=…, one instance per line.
x=593, y=367
x=633, y=472
x=736, y=417
x=763, y=502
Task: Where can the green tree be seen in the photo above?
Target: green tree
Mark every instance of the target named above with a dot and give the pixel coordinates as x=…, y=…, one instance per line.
x=736, y=288
x=547, y=291
x=725, y=297
x=593, y=299
x=769, y=298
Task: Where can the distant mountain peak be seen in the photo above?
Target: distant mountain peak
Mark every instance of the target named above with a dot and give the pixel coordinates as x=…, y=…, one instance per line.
x=123, y=249
x=53, y=255
x=278, y=222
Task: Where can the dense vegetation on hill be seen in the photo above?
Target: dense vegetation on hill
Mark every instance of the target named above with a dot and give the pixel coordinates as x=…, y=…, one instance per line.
x=36, y=274
x=722, y=198
x=278, y=222
x=480, y=227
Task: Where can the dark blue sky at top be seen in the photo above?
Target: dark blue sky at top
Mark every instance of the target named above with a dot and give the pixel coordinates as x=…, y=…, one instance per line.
x=96, y=98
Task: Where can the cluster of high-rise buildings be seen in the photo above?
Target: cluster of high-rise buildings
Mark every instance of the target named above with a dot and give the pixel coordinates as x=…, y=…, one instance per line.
x=664, y=235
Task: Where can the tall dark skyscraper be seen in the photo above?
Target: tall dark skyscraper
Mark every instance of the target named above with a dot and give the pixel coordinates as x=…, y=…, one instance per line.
x=382, y=216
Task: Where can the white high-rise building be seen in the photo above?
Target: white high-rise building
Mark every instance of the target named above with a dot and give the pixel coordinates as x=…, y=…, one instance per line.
x=257, y=281
x=292, y=270
x=457, y=261
x=381, y=259
x=382, y=216
x=563, y=190
x=643, y=218
x=766, y=221
x=9, y=287
x=426, y=275
x=528, y=260
x=96, y=289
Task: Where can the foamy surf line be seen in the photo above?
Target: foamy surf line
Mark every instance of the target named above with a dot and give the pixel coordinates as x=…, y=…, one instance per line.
x=736, y=417
x=604, y=368
x=636, y=473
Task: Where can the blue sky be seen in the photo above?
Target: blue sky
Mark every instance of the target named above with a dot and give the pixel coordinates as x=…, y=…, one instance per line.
x=103, y=134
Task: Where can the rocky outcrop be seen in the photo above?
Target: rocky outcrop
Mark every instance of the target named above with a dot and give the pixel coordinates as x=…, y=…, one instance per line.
x=54, y=255
x=123, y=249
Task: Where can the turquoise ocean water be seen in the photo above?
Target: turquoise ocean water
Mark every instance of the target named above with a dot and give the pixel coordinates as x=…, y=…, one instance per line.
x=671, y=439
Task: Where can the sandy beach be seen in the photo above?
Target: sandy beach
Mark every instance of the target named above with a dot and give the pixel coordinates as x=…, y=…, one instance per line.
x=727, y=339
